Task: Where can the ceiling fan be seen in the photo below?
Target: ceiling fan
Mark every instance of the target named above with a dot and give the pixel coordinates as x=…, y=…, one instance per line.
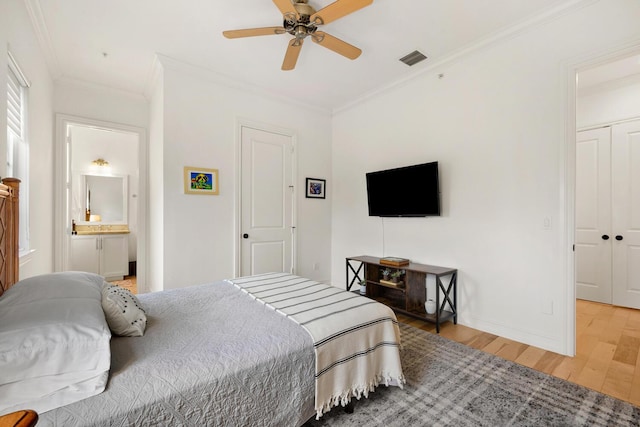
x=301, y=21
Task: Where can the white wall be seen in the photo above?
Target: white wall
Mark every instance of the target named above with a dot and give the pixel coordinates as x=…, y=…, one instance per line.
x=156, y=184
x=17, y=34
x=607, y=103
x=200, y=129
x=100, y=103
x=496, y=123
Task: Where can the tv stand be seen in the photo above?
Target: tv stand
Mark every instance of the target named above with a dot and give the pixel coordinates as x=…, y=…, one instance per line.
x=409, y=297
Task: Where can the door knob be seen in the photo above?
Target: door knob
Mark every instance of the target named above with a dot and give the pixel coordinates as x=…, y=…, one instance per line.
x=605, y=237
x=619, y=237
x=245, y=235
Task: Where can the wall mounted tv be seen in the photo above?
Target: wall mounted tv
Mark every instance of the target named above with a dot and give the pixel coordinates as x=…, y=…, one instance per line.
x=410, y=191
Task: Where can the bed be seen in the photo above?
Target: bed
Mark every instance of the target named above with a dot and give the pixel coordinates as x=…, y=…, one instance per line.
x=272, y=349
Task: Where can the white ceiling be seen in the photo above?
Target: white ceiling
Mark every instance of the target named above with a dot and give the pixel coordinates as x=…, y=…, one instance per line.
x=114, y=42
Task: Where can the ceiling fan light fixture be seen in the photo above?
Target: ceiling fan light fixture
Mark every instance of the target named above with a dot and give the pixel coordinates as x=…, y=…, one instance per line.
x=304, y=10
x=413, y=58
x=301, y=32
x=301, y=20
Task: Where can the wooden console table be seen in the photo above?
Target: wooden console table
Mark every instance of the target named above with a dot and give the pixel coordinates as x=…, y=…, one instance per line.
x=409, y=298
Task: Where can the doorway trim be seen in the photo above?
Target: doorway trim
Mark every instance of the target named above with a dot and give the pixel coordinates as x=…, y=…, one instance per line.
x=568, y=163
x=249, y=123
x=61, y=202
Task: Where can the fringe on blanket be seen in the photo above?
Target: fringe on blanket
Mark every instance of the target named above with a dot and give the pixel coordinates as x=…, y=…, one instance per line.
x=358, y=391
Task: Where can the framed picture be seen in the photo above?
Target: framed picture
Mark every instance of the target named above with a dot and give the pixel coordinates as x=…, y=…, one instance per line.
x=200, y=181
x=315, y=188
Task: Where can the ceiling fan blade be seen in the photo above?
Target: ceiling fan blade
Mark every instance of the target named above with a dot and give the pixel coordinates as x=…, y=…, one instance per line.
x=251, y=32
x=338, y=9
x=291, y=57
x=336, y=45
x=285, y=6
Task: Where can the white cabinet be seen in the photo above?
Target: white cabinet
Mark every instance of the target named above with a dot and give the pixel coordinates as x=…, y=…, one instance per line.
x=104, y=254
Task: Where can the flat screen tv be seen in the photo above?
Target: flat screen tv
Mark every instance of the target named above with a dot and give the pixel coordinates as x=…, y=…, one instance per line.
x=410, y=191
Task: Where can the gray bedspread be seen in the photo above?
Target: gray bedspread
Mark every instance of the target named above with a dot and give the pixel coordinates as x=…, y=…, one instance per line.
x=211, y=356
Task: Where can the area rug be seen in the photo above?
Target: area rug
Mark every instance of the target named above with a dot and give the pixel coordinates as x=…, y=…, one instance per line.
x=449, y=384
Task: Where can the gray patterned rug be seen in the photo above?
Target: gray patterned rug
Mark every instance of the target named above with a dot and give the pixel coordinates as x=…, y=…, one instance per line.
x=449, y=384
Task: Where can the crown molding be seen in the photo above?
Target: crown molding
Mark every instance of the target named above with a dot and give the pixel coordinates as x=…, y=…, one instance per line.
x=44, y=39
x=480, y=45
x=84, y=84
x=230, y=82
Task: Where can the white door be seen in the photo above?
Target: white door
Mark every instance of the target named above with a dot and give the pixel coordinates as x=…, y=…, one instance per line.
x=266, y=202
x=625, y=173
x=593, y=215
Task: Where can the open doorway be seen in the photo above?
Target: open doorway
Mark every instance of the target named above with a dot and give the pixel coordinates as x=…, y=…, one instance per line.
x=607, y=209
x=101, y=200
x=607, y=215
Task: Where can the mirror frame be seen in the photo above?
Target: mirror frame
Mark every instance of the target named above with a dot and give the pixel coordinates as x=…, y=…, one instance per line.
x=125, y=198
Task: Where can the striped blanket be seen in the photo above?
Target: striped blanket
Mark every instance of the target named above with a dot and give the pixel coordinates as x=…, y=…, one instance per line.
x=356, y=339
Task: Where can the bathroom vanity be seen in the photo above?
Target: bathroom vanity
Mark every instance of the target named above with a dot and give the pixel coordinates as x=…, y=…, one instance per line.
x=100, y=232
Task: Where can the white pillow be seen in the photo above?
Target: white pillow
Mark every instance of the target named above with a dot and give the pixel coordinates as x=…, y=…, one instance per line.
x=123, y=311
x=54, y=342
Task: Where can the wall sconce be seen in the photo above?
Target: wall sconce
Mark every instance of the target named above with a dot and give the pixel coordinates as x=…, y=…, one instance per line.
x=100, y=162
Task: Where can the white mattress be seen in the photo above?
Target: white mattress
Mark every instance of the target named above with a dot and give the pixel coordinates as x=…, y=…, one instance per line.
x=211, y=355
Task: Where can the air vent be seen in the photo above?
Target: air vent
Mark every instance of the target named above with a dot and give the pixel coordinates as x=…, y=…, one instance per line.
x=413, y=58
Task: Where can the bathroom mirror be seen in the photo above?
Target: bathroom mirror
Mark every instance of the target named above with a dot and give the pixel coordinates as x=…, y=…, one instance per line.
x=105, y=199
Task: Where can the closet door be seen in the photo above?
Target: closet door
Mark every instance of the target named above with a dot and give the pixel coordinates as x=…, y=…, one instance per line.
x=625, y=174
x=267, y=202
x=593, y=215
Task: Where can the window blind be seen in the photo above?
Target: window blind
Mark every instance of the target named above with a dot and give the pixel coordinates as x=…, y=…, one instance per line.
x=17, y=144
x=14, y=104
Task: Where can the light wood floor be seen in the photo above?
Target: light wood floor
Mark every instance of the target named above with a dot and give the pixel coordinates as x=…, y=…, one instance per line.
x=608, y=344
x=608, y=347
x=129, y=282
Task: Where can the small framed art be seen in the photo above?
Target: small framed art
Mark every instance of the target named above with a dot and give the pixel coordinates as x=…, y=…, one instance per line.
x=200, y=181
x=315, y=188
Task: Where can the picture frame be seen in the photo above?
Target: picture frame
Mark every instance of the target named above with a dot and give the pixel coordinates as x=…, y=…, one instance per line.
x=201, y=181
x=315, y=188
